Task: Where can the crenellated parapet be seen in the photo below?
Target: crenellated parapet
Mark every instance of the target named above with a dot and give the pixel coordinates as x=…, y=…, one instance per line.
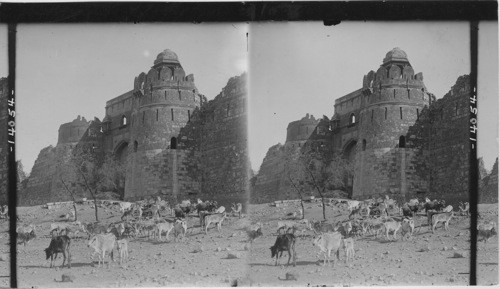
x=72, y=132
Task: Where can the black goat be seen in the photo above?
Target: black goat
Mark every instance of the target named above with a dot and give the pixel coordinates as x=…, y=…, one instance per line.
x=59, y=244
x=179, y=213
x=285, y=242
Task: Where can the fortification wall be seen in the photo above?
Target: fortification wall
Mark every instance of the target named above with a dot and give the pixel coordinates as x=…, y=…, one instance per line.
x=450, y=144
x=488, y=191
x=4, y=92
x=43, y=183
x=224, y=162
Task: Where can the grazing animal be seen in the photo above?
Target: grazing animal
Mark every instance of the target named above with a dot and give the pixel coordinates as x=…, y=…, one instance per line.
x=74, y=227
x=464, y=208
x=349, y=248
x=328, y=242
x=125, y=206
x=25, y=238
x=485, y=231
x=254, y=234
x=434, y=205
x=216, y=219
x=164, y=227
x=285, y=242
x=180, y=226
x=122, y=246
x=179, y=213
x=25, y=229
x=448, y=209
x=393, y=226
x=441, y=218
x=322, y=227
x=407, y=226
x=237, y=209
x=220, y=210
x=59, y=244
x=285, y=225
x=102, y=243
x=430, y=213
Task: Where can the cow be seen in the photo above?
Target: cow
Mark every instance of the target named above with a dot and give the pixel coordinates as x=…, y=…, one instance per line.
x=237, y=208
x=486, y=231
x=441, y=218
x=59, y=244
x=122, y=246
x=393, y=226
x=349, y=248
x=214, y=218
x=102, y=243
x=25, y=238
x=407, y=226
x=285, y=242
x=328, y=242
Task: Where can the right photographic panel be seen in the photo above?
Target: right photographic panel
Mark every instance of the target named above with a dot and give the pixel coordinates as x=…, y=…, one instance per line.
x=359, y=145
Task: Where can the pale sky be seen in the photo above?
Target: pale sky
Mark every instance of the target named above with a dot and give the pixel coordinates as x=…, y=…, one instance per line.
x=302, y=67
x=295, y=68
x=67, y=70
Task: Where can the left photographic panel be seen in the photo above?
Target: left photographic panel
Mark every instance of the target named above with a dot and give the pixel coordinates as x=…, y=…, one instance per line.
x=132, y=140
x=4, y=197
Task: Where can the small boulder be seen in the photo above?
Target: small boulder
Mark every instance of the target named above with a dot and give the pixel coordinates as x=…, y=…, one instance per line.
x=67, y=277
x=232, y=256
x=4, y=257
x=218, y=249
x=461, y=254
x=291, y=276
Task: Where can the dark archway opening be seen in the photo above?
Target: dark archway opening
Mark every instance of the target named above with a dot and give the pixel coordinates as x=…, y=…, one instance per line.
x=402, y=141
x=173, y=143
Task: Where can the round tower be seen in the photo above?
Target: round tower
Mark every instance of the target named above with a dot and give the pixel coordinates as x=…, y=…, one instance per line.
x=72, y=132
x=301, y=130
x=164, y=103
x=393, y=99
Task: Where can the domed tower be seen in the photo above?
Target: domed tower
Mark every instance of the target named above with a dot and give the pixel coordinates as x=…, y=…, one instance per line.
x=393, y=99
x=164, y=101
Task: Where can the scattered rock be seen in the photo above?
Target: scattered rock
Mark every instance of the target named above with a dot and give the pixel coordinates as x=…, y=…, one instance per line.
x=246, y=247
x=67, y=277
x=232, y=256
x=218, y=249
x=291, y=276
x=445, y=248
x=4, y=257
x=461, y=254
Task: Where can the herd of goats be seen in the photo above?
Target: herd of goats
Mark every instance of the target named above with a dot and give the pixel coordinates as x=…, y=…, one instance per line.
x=155, y=217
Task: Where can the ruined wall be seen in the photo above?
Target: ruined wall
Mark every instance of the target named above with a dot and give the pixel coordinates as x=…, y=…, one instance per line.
x=272, y=183
x=450, y=144
x=224, y=163
x=488, y=190
x=4, y=93
x=43, y=184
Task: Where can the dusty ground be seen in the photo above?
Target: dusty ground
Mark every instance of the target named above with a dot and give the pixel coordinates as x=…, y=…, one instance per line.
x=427, y=259
x=151, y=264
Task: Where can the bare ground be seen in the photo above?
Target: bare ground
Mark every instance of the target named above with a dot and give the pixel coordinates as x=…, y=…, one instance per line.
x=427, y=259
x=194, y=261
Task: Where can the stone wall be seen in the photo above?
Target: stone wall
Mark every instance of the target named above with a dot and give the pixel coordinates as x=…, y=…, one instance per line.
x=224, y=163
x=4, y=93
x=450, y=145
x=488, y=190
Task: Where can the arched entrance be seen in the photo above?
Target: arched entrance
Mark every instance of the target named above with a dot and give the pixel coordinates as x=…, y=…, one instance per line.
x=121, y=153
x=349, y=153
